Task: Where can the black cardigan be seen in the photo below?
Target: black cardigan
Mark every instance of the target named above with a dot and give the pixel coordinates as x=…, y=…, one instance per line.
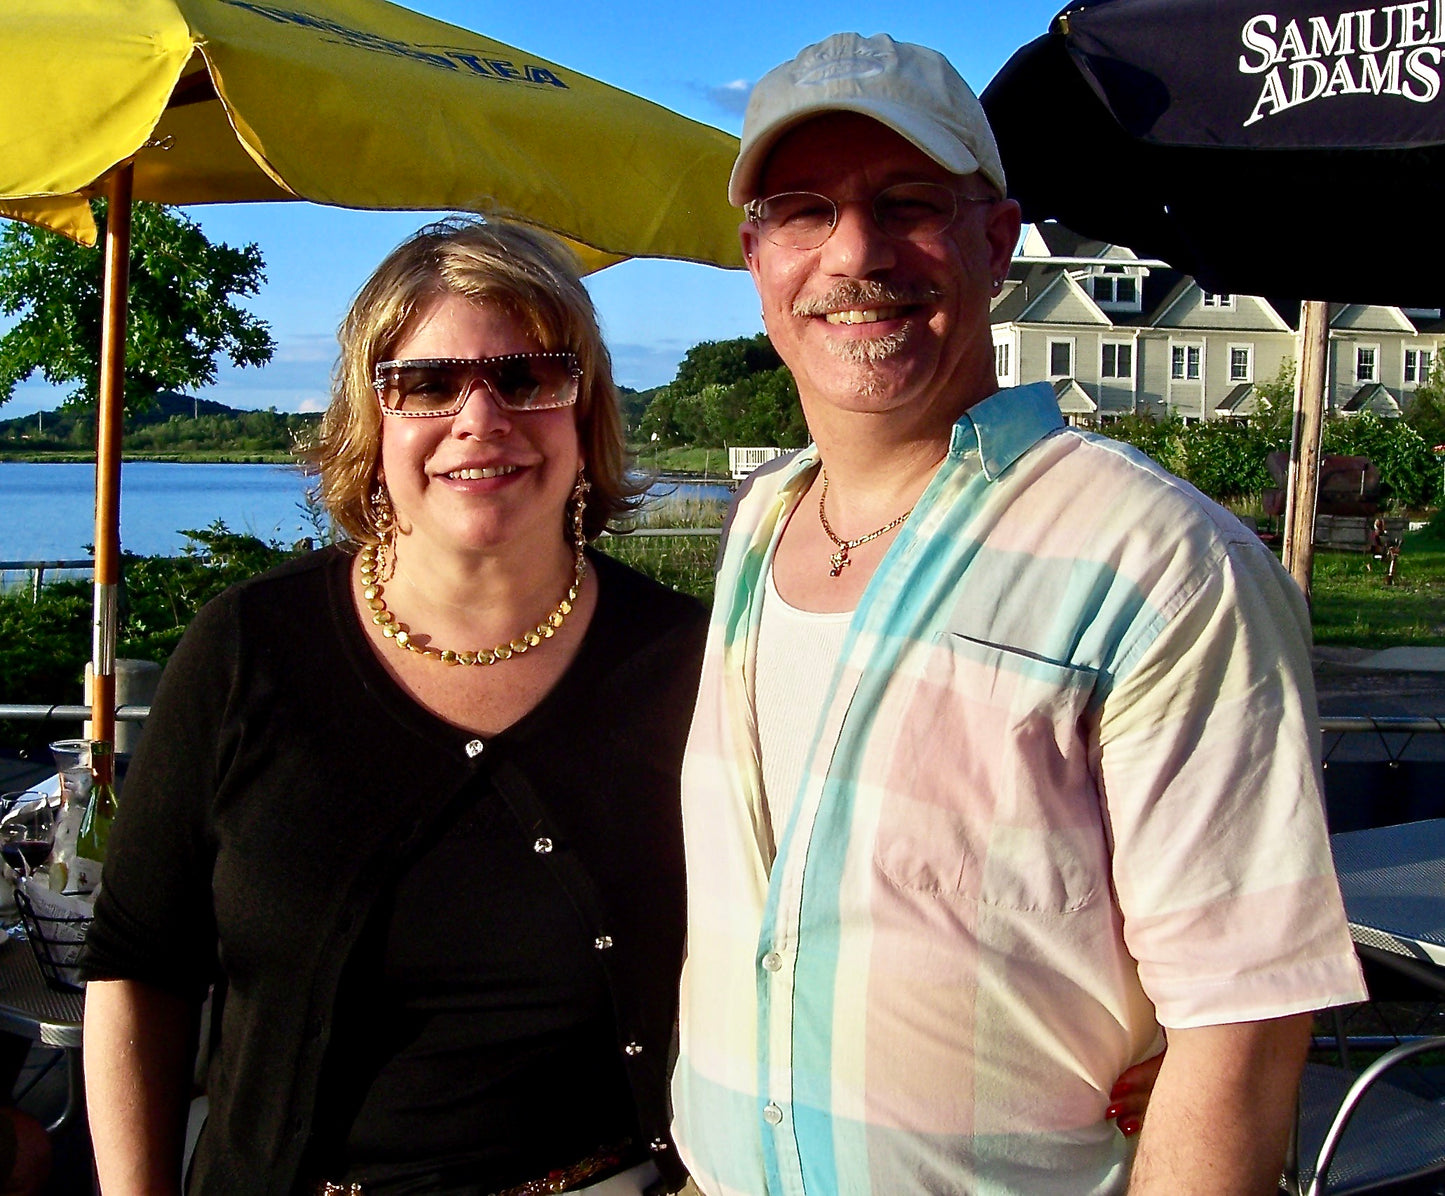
x=282, y=768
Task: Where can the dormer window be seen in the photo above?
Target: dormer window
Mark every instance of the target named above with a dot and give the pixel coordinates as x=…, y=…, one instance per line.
x=1216, y=300
x=1114, y=288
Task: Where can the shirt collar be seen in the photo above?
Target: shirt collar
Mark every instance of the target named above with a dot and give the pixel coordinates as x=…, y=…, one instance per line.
x=1006, y=425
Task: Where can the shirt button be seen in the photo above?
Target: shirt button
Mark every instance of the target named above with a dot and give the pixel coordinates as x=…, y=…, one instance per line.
x=474, y=748
x=772, y=1114
x=602, y=942
x=632, y=1048
x=542, y=846
x=772, y=961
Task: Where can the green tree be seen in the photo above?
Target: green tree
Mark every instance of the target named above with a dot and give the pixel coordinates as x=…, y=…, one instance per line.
x=725, y=363
x=1278, y=392
x=1426, y=412
x=182, y=315
x=1408, y=469
x=728, y=392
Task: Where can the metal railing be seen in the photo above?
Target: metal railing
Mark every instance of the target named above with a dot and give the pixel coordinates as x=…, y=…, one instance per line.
x=37, y=570
x=39, y=712
x=1410, y=724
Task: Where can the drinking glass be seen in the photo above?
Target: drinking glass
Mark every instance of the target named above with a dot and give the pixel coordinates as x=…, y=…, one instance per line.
x=72, y=762
x=27, y=830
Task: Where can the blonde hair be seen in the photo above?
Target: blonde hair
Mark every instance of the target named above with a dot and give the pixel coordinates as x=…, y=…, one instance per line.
x=535, y=280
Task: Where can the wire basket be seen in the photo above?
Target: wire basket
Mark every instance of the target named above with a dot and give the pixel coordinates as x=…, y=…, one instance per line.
x=56, y=940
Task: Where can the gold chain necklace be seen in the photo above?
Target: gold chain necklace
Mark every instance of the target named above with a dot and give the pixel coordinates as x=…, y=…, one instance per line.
x=840, y=558
x=373, y=563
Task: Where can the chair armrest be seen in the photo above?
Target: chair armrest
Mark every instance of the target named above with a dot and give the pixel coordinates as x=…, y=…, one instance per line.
x=1366, y=1080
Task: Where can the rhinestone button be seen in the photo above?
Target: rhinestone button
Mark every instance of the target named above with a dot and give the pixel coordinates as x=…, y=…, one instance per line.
x=772, y=961
x=542, y=846
x=474, y=748
x=772, y=1114
x=632, y=1048
x=602, y=942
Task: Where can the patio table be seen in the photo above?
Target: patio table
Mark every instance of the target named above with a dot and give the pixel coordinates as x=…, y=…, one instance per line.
x=32, y=1009
x=1393, y=882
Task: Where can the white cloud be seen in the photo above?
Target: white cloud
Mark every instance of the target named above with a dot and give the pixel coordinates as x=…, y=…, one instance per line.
x=730, y=97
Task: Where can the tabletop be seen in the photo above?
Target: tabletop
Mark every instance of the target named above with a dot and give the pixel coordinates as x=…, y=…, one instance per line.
x=29, y=1006
x=1393, y=882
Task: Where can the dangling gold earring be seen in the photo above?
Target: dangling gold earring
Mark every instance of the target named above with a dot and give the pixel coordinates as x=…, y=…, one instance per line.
x=579, y=507
x=382, y=512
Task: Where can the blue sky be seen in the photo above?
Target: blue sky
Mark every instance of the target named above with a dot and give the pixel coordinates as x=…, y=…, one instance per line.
x=699, y=60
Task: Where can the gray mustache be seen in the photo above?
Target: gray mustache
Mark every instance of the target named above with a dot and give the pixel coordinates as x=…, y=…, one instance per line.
x=852, y=292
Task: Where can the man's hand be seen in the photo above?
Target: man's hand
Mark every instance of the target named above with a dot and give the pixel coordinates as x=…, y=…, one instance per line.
x=1221, y=1111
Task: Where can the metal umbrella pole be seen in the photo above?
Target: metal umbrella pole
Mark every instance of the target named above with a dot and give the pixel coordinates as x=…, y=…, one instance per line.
x=110, y=410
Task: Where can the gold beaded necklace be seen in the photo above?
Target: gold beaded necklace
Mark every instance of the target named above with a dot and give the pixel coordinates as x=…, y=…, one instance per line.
x=373, y=565
x=373, y=562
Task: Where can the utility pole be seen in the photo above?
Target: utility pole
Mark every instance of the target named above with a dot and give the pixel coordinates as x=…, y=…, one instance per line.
x=1304, y=456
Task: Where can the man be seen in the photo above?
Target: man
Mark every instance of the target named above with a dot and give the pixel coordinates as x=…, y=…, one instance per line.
x=1004, y=754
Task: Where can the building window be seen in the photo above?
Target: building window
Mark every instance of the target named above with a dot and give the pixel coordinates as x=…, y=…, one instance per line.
x=1115, y=289
x=1241, y=363
x=1365, y=363
x=1116, y=360
x=1184, y=363
x=1001, y=360
x=1216, y=300
x=1417, y=365
x=1061, y=359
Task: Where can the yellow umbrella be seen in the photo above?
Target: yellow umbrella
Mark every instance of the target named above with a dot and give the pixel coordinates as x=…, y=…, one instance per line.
x=356, y=103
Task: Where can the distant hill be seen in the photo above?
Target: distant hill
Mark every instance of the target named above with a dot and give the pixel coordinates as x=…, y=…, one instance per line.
x=167, y=404
x=175, y=425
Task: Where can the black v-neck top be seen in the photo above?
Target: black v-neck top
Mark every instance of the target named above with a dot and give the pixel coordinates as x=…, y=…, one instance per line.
x=444, y=962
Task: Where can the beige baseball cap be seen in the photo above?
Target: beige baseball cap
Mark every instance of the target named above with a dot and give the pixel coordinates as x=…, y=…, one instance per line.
x=913, y=90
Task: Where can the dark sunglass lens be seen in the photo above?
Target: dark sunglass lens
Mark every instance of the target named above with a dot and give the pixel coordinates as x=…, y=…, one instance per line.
x=421, y=389
x=525, y=382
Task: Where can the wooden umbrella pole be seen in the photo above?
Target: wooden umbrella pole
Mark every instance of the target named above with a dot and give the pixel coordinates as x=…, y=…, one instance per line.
x=109, y=412
x=1304, y=464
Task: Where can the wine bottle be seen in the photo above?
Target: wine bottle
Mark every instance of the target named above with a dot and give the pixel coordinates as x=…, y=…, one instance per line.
x=99, y=814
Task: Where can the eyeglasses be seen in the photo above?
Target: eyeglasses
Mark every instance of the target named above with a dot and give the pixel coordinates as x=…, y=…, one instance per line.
x=439, y=386
x=905, y=211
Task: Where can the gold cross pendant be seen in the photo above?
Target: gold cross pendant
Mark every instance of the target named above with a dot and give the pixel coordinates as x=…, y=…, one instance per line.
x=839, y=559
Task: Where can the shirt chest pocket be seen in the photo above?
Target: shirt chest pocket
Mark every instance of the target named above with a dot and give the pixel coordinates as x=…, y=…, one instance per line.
x=988, y=794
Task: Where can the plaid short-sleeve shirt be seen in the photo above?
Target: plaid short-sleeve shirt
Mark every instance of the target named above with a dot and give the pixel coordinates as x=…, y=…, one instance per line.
x=1064, y=790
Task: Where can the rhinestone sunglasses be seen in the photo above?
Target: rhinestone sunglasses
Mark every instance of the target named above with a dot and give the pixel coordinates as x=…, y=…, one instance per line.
x=439, y=386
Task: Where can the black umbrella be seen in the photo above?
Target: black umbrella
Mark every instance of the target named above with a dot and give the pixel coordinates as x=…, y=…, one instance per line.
x=1267, y=147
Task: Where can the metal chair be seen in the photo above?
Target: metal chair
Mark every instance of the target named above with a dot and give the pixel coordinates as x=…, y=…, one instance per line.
x=1394, y=1134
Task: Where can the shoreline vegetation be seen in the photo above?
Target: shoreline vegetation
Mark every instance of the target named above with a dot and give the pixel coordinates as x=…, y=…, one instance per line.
x=44, y=643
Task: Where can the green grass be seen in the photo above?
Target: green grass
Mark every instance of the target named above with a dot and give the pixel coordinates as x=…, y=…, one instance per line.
x=1354, y=607
x=683, y=562
x=710, y=462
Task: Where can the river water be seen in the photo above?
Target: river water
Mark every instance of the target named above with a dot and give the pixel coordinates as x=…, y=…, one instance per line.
x=47, y=510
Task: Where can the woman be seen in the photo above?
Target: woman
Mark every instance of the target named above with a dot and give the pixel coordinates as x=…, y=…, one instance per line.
x=413, y=808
